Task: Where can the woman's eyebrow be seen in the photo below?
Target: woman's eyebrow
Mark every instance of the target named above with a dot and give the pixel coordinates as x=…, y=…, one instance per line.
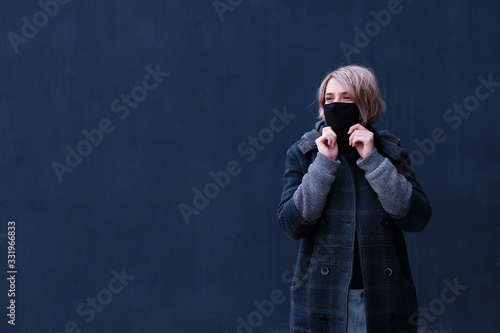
x=342, y=93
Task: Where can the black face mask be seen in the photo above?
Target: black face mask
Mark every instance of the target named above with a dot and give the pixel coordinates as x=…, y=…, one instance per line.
x=341, y=116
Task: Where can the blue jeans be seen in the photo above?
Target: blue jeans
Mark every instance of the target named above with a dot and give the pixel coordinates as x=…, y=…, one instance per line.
x=356, y=316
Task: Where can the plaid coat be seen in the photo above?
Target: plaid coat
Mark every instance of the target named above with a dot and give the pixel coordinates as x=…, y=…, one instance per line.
x=319, y=291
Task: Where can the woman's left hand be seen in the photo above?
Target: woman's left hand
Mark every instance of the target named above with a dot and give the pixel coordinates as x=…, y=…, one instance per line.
x=361, y=139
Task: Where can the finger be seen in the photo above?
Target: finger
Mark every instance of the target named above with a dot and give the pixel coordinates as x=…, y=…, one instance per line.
x=351, y=137
x=354, y=127
x=329, y=130
x=320, y=141
x=333, y=138
x=330, y=139
x=357, y=137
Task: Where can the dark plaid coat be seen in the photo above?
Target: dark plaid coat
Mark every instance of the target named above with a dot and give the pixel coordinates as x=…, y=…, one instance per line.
x=324, y=265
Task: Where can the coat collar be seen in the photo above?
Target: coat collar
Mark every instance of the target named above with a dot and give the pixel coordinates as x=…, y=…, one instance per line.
x=384, y=141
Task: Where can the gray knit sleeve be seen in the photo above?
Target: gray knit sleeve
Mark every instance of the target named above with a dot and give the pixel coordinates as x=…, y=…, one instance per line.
x=310, y=196
x=393, y=189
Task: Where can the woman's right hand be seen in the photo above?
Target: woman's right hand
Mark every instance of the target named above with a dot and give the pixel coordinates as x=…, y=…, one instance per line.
x=327, y=143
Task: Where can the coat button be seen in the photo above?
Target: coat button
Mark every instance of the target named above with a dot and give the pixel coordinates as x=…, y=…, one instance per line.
x=325, y=220
x=325, y=271
x=388, y=272
x=323, y=318
x=362, y=295
x=384, y=222
x=392, y=317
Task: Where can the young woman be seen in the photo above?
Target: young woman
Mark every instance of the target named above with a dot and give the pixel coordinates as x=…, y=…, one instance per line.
x=348, y=195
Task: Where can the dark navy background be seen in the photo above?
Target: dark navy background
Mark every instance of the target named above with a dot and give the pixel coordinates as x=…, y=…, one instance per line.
x=119, y=207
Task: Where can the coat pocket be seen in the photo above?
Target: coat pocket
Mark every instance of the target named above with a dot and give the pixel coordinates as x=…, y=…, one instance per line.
x=303, y=268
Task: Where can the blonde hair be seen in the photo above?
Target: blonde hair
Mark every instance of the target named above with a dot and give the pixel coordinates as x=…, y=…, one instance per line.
x=361, y=84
